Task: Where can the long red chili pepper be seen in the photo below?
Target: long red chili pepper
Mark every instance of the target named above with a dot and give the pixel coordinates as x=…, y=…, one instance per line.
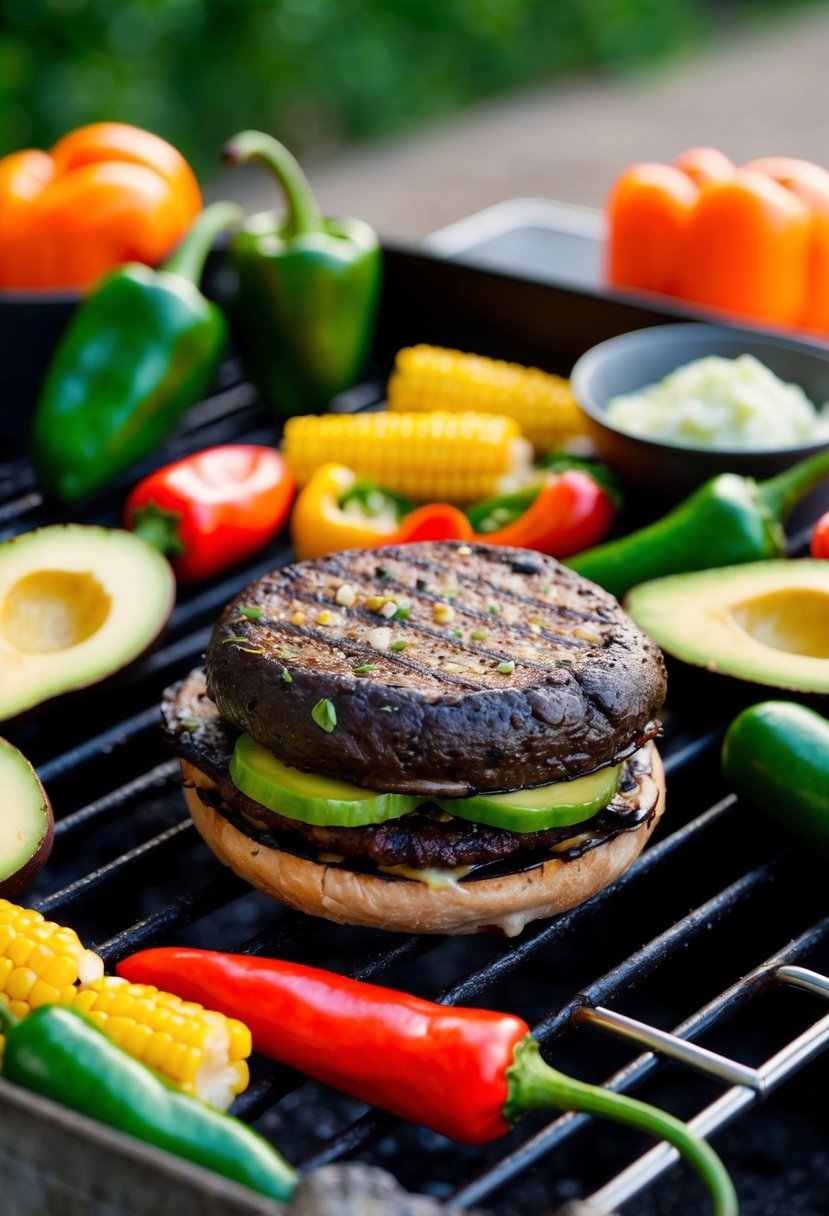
x=466, y=1073
x=212, y=509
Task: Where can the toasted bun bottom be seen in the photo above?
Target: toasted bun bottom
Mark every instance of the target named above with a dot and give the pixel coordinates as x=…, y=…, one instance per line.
x=505, y=903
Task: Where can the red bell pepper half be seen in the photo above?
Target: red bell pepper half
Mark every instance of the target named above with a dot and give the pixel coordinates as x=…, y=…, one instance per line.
x=466, y=1073
x=212, y=509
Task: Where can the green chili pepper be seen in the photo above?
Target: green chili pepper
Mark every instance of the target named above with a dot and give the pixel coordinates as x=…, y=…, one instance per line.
x=62, y=1055
x=308, y=289
x=140, y=349
x=727, y=521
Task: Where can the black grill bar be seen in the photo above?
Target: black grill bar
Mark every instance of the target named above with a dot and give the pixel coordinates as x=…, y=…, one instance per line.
x=551, y=1137
x=127, y=730
x=158, y=778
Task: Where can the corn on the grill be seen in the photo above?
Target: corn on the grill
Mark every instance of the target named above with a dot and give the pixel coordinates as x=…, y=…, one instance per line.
x=42, y=963
x=428, y=457
x=431, y=378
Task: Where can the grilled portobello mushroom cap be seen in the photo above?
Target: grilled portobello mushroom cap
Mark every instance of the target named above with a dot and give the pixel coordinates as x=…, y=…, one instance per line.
x=438, y=668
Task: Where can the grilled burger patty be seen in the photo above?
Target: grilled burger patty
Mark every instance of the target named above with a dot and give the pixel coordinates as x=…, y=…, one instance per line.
x=438, y=669
x=427, y=837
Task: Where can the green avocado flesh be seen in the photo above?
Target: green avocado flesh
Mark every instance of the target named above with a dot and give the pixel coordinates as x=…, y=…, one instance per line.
x=26, y=823
x=545, y=806
x=764, y=622
x=310, y=797
x=320, y=800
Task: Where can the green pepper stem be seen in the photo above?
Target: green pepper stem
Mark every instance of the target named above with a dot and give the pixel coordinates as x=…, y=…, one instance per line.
x=7, y=1019
x=158, y=528
x=304, y=215
x=533, y=1084
x=189, y=258
x=781, y=493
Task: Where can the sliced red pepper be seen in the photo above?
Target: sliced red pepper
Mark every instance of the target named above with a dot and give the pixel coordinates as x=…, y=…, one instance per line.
x=572, y=512
x=213, y=509
x=434, y=521
x=820, y=538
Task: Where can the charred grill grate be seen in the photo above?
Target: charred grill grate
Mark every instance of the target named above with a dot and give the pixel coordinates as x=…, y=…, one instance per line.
x=713, y=911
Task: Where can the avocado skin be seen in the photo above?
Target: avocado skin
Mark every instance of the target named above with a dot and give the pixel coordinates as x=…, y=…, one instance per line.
x=776, y=754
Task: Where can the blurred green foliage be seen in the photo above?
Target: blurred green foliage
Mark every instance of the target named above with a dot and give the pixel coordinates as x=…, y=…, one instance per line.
x=310, y=71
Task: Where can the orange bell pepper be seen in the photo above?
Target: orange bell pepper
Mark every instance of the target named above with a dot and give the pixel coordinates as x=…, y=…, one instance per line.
x=106, y=194
x=751, y=241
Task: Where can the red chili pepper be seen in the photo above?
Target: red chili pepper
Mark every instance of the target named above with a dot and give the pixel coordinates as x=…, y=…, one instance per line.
x=434, y=521
x=213, y=509
x=820, y=538
x=466, y=1073
x=572, y=512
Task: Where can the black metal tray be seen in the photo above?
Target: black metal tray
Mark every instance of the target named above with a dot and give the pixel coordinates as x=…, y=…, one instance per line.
x=693, y=935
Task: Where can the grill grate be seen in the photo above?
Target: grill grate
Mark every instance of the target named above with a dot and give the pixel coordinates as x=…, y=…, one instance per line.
x=709, y=901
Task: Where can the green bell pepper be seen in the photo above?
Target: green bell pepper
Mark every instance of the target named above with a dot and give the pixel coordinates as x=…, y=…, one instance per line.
x=727, y=521
x=62, y=1055
x=308, y=289
x=140, y=349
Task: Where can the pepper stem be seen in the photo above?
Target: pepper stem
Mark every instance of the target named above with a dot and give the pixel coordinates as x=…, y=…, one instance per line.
x=304, y=215
x=781, y=493
x=191, y=254
x=533, y=1084
x=159, y=528
x=7, y=1019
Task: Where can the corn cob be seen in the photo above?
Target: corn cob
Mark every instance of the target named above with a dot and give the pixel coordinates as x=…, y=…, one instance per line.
x=431, y=378
x=42, y=963
x=427, y=457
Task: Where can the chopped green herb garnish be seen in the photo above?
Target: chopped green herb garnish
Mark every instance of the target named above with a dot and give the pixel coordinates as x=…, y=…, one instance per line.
x=325, y=715
x=401, y=645
x=389, y=709
x=358, y=671
x=402, y=614
x=238, y=638
x=287, y=677
x=380, y=572
x=546, y=589
x=506, y=668
x=252, y=649
x=252, y=613
x=189, y=723
x=457, y=633
x=450, y=595
x=478, y=635
x=421, y=584
x=564, y=662
x=492, y=607
x=288, y=654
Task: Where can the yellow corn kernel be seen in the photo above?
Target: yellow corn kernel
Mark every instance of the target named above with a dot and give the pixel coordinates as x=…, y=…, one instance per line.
x=432, y=378
x=439, y=456
x=42, y=963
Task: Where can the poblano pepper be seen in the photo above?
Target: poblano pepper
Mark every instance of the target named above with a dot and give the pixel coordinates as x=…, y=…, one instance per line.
x=727, y=521
x=308, y=289
x=140, y=349
x=60, y=1054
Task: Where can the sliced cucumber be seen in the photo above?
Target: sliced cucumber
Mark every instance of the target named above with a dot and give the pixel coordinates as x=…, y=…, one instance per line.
x=545, y=806
x=310, y=797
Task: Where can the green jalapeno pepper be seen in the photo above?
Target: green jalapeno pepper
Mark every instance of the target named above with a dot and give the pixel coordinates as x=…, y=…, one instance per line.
x=140, y=349
x=308, y=289
x=776, y=754
x=727, y=521
x=62, y=1055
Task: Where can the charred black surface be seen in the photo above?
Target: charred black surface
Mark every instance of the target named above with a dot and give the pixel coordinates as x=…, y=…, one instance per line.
x=494, y=668
x=425, y=837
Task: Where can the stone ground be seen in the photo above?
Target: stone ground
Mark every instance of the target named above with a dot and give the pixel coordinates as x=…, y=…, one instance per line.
x=757, y=91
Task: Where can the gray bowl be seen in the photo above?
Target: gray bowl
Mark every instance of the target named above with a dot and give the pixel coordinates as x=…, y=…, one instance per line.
x=645, y=356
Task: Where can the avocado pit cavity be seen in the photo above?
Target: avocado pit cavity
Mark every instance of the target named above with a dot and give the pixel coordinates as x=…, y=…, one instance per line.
x=795, y=619
x=51, y=610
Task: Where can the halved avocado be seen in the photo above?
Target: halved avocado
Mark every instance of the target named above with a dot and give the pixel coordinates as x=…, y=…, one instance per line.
x=26, y=823
x=766, y=622
x=77, y=603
